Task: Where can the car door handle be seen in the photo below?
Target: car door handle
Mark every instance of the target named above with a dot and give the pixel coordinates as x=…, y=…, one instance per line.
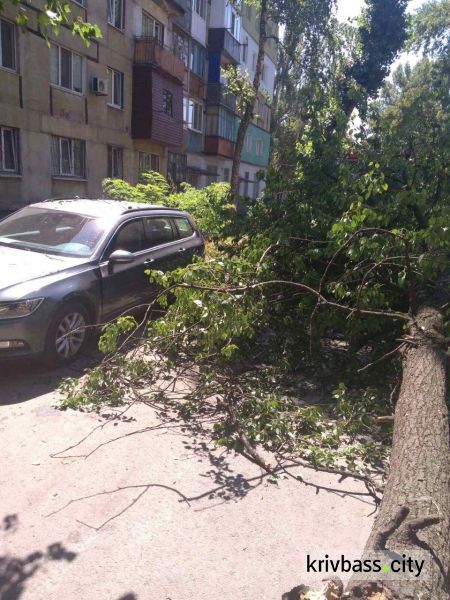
x=149, y=261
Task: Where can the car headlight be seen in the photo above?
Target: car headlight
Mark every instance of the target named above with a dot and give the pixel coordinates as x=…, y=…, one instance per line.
x=21, y=308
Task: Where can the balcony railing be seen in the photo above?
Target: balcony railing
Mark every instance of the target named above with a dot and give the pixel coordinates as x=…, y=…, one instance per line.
x=149, y=51
x=218, y=93
x=194, y=141
x=220, y=39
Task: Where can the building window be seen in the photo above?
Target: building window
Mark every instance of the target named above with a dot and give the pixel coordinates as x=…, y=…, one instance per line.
x=246, y=182
x=115, y=88
x=199, y=7
x=263, y=73
x=221, y=124
x=262, y=115
x=176, y=167
x=212, y=175
x=245, y=50
x=115, y=162
x=181, y=47
x=254, y=59
x=259, y=148
x=9, y=150
x=116, y=13
x=197, y=61
x=168, y=102
x=66, y=69
x=195, y=116
x=233, y=20
x=68, y=157
x=148, y=162
x=7, y=45
x=249, y=143
x=152, y=28
x=226, y=174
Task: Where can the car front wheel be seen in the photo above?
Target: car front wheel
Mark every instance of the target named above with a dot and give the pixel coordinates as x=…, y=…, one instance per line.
x=67, y=334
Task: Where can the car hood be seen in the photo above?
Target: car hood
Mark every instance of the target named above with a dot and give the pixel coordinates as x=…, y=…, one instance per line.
x=18, y=266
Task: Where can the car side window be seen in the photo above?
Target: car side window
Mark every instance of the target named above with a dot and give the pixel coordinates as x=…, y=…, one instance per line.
x=184, y=227
x=159, y=231
x=130, y=237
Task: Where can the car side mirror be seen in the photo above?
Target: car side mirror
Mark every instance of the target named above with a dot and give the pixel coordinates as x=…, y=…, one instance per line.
x=121, y=257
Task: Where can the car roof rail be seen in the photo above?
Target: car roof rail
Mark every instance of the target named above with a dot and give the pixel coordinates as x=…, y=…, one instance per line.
x=137, y=209
x=73, y=197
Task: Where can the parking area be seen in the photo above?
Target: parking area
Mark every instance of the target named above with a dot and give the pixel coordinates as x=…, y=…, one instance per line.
x=140, y=509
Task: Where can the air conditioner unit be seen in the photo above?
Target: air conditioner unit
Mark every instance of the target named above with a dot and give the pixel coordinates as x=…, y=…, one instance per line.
x=99, y=86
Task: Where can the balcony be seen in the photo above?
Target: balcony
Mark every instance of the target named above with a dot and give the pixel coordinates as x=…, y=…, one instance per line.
x=148, y=51
x=218, y=93
x=221, y=40
x=184, y=20
x=194, y=141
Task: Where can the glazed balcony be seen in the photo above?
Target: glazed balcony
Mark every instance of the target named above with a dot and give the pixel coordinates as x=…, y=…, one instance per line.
x=184, y=20
x=221, y=40
x=148, y=51
x=218, y=93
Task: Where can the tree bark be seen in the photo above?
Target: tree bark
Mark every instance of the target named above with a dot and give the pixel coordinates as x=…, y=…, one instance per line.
x=415, y=510
x=249, y=109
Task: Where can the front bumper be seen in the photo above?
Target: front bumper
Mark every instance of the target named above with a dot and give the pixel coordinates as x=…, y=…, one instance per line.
x=31, y=331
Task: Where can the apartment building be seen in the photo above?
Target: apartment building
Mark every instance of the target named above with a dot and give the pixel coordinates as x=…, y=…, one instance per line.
x=233, y=39
x=148, y=95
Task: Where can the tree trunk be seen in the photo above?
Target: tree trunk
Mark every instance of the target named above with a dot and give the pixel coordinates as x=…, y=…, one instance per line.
x=419, y=473
x=248, y=112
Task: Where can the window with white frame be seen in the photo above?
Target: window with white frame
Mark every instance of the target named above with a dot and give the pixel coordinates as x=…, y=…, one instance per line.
x=152, y=28
x=199, y=7
x=148, y=162
x=9, y=150
x=116, y=16
x=249, y=143
x=7, y=45
x=115, y=162
x=66, y=69
x=68, y=157
x=195, y=116
x=115, y=88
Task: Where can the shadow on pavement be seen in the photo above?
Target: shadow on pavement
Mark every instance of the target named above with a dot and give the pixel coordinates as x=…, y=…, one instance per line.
x=15, y=571
x=23, y=379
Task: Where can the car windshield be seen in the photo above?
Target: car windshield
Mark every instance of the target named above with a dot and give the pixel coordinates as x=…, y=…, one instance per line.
x=52, y=232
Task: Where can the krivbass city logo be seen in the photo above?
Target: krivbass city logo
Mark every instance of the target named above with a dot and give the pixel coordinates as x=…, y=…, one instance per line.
x=374, y=566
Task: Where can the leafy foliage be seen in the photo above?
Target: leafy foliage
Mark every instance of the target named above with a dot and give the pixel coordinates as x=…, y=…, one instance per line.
x=209, y=206
x=323, y=279
x=54, y=15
